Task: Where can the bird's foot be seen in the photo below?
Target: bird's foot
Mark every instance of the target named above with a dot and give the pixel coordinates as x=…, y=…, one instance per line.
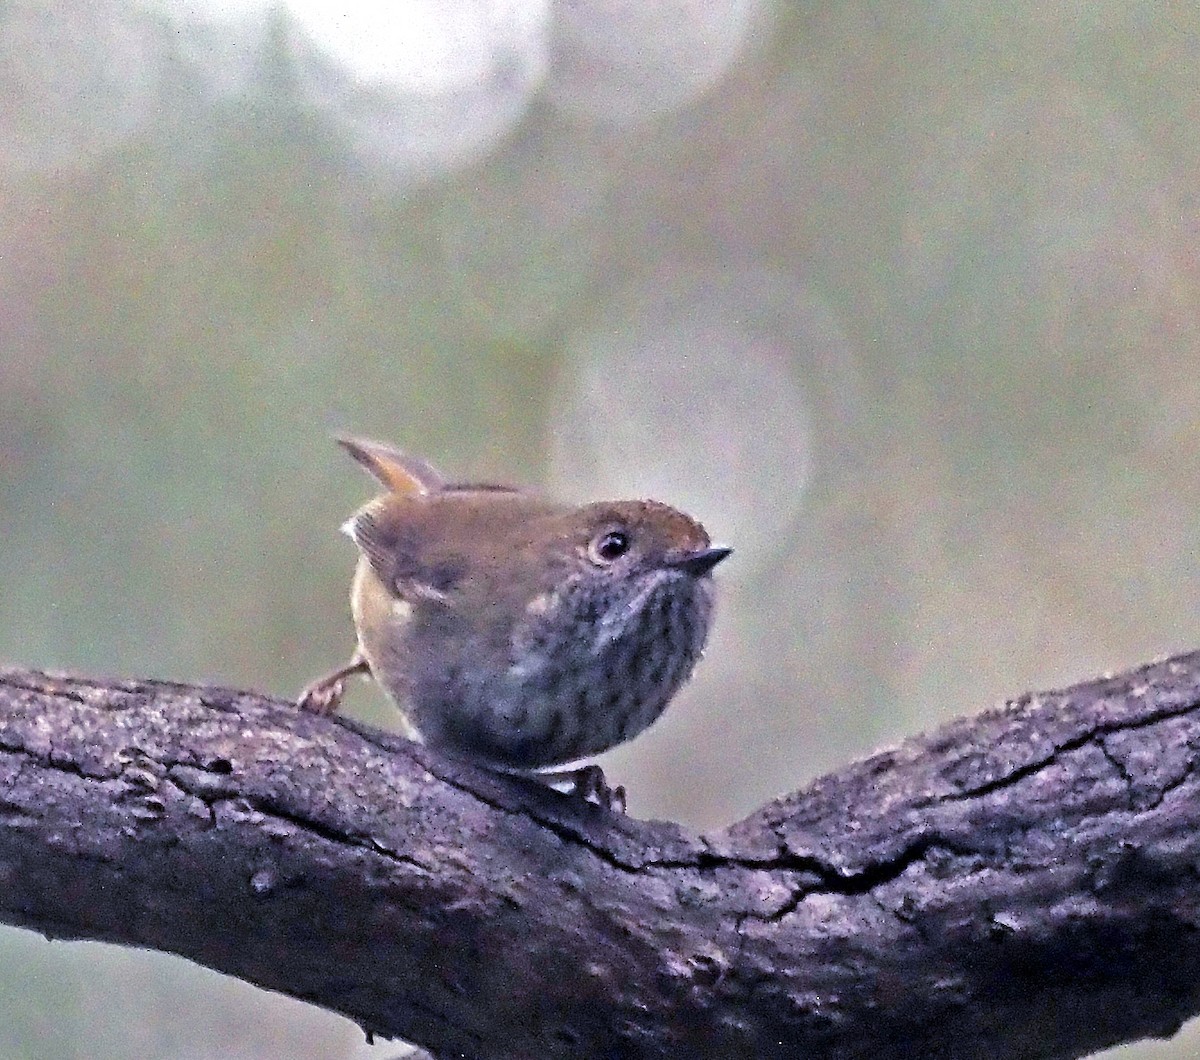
x=324, y=695
x=588, y=783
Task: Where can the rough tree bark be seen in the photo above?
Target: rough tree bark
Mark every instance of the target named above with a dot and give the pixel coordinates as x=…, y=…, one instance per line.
x=1021, y=884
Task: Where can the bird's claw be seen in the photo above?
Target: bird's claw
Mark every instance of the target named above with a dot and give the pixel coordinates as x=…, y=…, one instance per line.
x=322, y=696
x=590, y=784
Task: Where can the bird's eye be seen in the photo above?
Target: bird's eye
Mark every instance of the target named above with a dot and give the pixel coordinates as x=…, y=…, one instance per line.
x=610, y=546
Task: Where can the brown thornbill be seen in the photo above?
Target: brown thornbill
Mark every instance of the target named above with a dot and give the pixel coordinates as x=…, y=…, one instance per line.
x=515, y=631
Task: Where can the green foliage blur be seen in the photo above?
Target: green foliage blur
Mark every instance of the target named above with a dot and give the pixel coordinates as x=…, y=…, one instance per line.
x=945, y=377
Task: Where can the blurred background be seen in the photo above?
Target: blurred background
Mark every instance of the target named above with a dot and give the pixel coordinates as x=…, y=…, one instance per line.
x=901, y=300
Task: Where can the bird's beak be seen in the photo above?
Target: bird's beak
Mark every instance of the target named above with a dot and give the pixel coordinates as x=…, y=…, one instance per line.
x=701, y=561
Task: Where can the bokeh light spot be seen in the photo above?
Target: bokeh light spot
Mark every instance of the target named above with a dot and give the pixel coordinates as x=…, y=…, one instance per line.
x=623, y=61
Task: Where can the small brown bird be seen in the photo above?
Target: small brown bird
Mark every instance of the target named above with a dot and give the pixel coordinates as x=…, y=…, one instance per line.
x=515, y=631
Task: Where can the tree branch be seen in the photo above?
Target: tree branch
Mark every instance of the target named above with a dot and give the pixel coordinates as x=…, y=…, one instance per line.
x=1024, y=883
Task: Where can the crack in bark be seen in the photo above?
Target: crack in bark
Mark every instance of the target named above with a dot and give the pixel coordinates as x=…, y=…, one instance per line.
x=59, y=763
x=1118, y=766
x=1075, y=743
